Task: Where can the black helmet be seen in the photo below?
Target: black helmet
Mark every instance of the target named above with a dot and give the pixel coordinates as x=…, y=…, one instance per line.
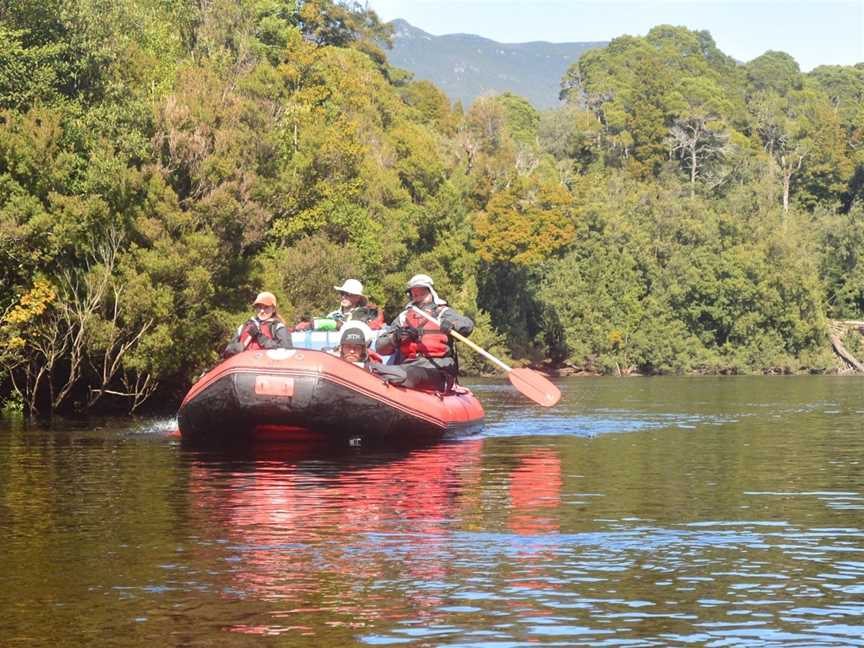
x=353, y=336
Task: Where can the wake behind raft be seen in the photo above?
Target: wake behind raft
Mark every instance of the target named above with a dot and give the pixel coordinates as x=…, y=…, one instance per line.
x=310, y=395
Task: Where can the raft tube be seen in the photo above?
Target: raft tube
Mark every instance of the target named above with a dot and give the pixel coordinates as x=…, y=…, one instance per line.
x=308, y=395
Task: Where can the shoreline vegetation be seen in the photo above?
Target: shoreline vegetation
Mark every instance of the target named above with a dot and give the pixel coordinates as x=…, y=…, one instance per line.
x=847, y=363
x=162, y=161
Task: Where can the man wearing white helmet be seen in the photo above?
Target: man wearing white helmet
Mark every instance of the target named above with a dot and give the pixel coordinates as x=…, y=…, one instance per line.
x=424, y=351
x=353, y=306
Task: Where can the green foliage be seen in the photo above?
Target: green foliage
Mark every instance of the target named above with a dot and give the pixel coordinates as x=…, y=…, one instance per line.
x=841, y=242
x=522, y=118
x=12, y=405
x=485, y=333
x=661, y=286
x=571, y=135
x=340, y=23
x=303, y=275
x=775, y=73
x=162, y=161
x=432, y=105
x=28, y=75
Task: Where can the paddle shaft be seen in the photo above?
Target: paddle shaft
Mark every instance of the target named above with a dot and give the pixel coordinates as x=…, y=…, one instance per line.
x=462, y=338
x=481, y=351
x=528, y=382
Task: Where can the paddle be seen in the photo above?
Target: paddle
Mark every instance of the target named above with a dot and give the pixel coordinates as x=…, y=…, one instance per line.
x=530, y=383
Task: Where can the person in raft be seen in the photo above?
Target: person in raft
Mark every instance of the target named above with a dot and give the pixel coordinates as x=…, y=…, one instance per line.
x=354, y=345
x=353, y=306
x=425, y=358
x=265, y=330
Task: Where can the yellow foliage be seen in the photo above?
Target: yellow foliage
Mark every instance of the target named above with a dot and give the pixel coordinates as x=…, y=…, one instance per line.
x=29, y=308
x=15, y=343
x=525, y=224
x=31, y=305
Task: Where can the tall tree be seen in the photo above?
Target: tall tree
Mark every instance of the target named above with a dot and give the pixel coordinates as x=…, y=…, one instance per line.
x=698, y=133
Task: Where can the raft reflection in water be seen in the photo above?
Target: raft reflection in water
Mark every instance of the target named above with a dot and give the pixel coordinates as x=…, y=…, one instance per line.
x=353, y=542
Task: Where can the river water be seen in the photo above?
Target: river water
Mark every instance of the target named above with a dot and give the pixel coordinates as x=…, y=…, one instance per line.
x=638, y=512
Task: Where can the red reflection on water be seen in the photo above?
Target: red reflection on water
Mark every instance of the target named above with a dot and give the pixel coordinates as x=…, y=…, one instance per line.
x=535, y=493
x=309, y=534
x=535, y=497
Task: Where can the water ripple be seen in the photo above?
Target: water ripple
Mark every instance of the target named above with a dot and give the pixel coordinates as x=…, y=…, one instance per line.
x=608, y=422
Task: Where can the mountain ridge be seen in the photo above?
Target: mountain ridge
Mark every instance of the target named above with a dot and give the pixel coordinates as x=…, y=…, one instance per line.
x=467, y=66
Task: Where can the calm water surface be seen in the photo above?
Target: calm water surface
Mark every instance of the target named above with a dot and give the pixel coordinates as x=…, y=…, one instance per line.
x=639, y=512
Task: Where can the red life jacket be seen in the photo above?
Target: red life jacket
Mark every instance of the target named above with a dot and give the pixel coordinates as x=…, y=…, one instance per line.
x=432, y=342
x=376, y=322
x=267, y=328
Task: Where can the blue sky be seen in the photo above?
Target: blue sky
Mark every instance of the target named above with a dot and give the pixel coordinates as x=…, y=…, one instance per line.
x=814, y=32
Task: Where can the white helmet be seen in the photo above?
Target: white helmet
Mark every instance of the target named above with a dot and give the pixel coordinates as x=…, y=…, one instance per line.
x=420, y=280
x=351, y=286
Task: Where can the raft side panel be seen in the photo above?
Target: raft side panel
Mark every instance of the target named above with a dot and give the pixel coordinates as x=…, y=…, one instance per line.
x=300, y=394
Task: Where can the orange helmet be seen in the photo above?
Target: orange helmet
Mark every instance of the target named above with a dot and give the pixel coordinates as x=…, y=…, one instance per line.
x=265, y=299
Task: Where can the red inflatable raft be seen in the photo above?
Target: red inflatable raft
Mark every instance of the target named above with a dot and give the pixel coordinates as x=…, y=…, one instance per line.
x=302, y=394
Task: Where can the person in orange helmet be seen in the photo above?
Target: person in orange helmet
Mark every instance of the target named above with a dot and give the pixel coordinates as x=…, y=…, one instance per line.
x=264, y=330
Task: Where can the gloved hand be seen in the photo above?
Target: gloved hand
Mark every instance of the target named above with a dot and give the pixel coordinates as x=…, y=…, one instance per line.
x=253, y=331
x=446, y=326
x=407, y=333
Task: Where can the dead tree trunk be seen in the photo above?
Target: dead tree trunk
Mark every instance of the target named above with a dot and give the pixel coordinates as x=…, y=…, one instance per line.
x=789, y=168
x=837, y=329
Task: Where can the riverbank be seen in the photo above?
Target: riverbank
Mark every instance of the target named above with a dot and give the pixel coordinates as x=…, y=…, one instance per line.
x=842, y=355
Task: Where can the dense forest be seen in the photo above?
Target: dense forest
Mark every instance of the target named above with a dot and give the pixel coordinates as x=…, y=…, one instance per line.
x=161, y=161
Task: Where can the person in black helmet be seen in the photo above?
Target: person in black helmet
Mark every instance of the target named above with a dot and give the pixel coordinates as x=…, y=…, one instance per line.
x=354, y=345
x=424, y=350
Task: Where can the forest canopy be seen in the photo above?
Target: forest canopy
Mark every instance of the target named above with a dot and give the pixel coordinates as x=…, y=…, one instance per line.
x=161, y=161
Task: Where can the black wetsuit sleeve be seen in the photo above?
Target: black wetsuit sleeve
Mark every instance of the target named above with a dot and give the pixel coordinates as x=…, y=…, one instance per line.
x=386, y=343
x=461, y=324
x=234, y=347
